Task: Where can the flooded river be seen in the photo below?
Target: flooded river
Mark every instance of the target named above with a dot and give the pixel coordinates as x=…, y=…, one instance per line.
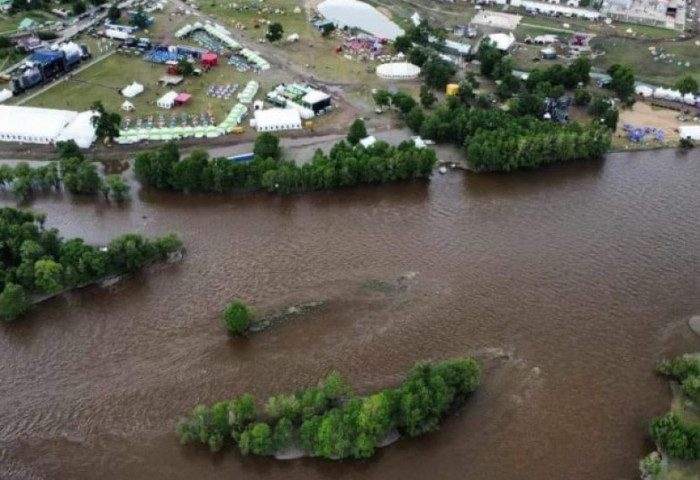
x=584, y=275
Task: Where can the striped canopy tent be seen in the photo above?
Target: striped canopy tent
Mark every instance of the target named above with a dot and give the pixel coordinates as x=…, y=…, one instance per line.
x=155, y=134
x=213, y=132
x=199, y=132
x=167, y=134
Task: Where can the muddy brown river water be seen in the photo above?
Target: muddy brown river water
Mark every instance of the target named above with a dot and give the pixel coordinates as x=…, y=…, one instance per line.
x=583, y=274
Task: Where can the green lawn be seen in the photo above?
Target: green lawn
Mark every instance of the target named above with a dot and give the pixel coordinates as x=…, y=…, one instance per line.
x=9, y=23
x=637, y=54
x=103, y=80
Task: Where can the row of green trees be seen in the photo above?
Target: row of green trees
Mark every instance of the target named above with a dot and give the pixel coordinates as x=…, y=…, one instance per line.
x=73, y=171
x=686, y=371
x=329, y=420
x=34, y=259
x=343, y=166
x=677, y=438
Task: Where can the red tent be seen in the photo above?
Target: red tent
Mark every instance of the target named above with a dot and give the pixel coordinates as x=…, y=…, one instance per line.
x=182, y=98
x=210, y=60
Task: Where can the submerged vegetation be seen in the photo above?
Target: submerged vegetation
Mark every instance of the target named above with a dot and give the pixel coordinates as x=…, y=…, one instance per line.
x=329, y=420
x=237, y=317
x=78, y=175
x=344, y=166
x=36, y=260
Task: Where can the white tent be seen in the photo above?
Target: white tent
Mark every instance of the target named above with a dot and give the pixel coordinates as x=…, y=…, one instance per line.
x=5, y=94
x=294, y=37
x=276, y=119
x=132, y=90
x=398, y=71
x=33, y=125
x=690, y=131
x=80, y=130
x=127, y=106
x=644, y=91
x=368, y=141
x=167, y=100
x=503, y=42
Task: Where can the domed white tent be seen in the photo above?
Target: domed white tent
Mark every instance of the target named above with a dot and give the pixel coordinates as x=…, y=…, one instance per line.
x=398, y=71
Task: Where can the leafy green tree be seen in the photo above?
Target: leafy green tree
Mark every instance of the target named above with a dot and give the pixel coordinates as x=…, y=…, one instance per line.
x=106, y=123
x=488, y=56
x=427, y=97
x=185, y=68
x=622, y=81
x=274, y=32
x=357, y=132
x=79, y=7
x=687, y=84
x=82, y=179
x=114, y=14
x=382, y=98
x=237, y=317
x=13, y=302
x=466, y=91
x=415, y=119
x=117, y=187
x=267, y=145
x=402, y=44
x=582, y=97
x=403, y=101
x=47, y=275
x=436, y=72
x=419, y=56
x=579, y=72
x=129, y=252
x=257, y=439
x=69, y=149
x=334, y=386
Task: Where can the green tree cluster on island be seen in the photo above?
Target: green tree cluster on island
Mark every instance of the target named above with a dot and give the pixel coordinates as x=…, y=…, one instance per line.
x=330, y=421
x=494, y=140
x=343, y=166
x=676, y=434
x=78, y=175
x=36, y=260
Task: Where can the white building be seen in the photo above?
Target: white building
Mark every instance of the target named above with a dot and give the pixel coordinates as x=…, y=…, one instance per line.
x=276, y=119
x=45, y=126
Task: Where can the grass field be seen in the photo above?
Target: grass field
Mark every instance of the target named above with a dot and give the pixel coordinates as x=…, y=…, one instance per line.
x=312, y=51
x=103, y=80
x=8, y=23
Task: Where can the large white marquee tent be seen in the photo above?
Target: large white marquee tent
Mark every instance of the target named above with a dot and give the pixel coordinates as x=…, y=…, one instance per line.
x=398, y=71
x=276, y=119
x=45, y=125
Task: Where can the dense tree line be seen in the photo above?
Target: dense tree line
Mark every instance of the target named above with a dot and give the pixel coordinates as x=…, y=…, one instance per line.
x=73, y=171
x=496, y=140
x=329, y=420
x=36, y=260
x=343, y=166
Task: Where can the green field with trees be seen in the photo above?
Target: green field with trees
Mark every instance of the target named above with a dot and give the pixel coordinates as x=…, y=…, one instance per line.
x=36, y=261
x=343, y=166
x=329, y=420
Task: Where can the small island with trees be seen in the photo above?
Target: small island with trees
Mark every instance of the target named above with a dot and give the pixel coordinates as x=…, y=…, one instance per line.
x=37, y=263
x=677, y=433
x=329, y=420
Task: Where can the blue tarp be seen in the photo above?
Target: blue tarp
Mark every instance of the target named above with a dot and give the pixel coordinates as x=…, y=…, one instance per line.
x=45, y=57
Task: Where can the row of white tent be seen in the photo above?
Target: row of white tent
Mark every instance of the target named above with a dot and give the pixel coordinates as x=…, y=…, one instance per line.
x=667, y=94
x=233, y=119
x=222, y=35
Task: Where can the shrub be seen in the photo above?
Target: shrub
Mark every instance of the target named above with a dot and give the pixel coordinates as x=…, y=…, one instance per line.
x=237, y=316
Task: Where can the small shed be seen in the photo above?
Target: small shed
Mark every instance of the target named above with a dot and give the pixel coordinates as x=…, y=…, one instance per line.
x=182, y=98
x=210, y=59
x=548, y=53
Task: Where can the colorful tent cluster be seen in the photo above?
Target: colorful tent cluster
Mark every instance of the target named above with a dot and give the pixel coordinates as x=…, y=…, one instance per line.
x=249, y=92
x=134, y=135
x=222, y=35
x=639, y=134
